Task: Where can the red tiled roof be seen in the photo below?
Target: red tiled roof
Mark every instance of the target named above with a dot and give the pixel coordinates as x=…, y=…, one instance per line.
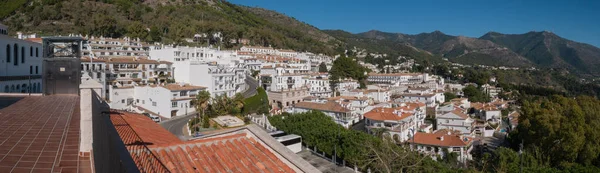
x=460, y=113
x=131, y=125
x=394, y=74
x=329, y=106
x=41, y=134
x=382, y=114
x=132, y=60
x=186, y=87
x=435, y=139
x=232, y=152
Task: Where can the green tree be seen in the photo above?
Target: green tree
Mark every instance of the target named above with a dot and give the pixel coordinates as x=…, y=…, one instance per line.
x=449, y=96
x=137, y=30
x=322, y=67
x=475, y=94
x=201, y=103
x=344, y=67
x=564, y=129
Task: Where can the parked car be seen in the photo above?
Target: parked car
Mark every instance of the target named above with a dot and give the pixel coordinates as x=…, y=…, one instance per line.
x=155, y=118
x=152, y=117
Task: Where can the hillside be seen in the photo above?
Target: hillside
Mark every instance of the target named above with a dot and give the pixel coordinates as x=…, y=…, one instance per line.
x=547, y=49
x=456, y=48
x=381, y=45
x=167, y=21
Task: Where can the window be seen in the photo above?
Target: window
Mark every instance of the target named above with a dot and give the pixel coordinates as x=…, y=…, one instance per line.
x=30, y=51
x=37, y=52
x=36, y=70
x=143, y=101
x=8, y=53
x=183, y=93
x=122, y=100
x=153, y=103
x=23, y=55
x=174, y=104
x=456, y=149
x=137, y=100
x=6, y=89
x=16, y=54
x=30, y=69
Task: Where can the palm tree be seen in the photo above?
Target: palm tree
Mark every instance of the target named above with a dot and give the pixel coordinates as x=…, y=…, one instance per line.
x=238, y=102
x=202, y=101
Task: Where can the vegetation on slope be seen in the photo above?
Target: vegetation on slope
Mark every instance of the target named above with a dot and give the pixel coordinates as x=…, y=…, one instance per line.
x=347, y=68
x=356, y=148
x=258, y=103
x=168, y=23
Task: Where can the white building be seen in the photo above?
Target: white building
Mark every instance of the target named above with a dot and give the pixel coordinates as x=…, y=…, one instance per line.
x=318, y=86
x=339, y=114
x=434, y=144
x=97, y=47
x=20, y=64
x=167, y=101
x=358, y=105
x=377, y=95
x=430, y=99
x=220, y=71
x=398, y=78
x=401, y=122
x=456, y=120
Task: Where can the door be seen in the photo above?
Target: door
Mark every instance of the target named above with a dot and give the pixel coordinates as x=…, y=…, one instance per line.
x=62, y=76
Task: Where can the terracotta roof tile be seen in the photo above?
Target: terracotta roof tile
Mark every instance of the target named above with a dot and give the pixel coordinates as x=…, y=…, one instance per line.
x=132, y=60
x=443, y=140
x=185, y=87
x=329, y=106
x=394, y=74
x=236, y=152
x=460, y=113
x=382, y=114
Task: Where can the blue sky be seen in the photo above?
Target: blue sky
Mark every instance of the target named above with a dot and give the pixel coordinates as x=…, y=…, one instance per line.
x=572, y=19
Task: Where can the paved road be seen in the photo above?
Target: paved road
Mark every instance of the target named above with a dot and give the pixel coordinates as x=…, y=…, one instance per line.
x=322, y=164
x=175, y=125
x=252, y=86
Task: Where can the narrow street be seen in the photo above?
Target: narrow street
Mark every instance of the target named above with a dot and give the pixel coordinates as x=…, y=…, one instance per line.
x=175, y=125
x=252, y=86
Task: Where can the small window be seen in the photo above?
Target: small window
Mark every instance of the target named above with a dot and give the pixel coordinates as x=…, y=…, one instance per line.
x=36, y=70
x=183, y=93
x=30, y=69
x=30, y=51
x=16, y=54
x=8, y=53
x=174, y=104
x=22, y=55
x=143, y=101
x=37, y=52
x=122, y=100
x=137, y=100
x=153, y=103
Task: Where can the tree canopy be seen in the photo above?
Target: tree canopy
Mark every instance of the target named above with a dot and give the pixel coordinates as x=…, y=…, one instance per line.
x=344, y=67
x=356, y=148
x=323, y=67
x=565, y=130
x=475, y=94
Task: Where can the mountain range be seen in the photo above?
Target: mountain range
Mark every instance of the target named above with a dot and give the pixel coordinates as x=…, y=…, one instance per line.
x=532, y=49
x=171, y=21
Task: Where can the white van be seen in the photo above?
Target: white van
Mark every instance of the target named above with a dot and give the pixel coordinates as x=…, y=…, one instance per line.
x=152, y=117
